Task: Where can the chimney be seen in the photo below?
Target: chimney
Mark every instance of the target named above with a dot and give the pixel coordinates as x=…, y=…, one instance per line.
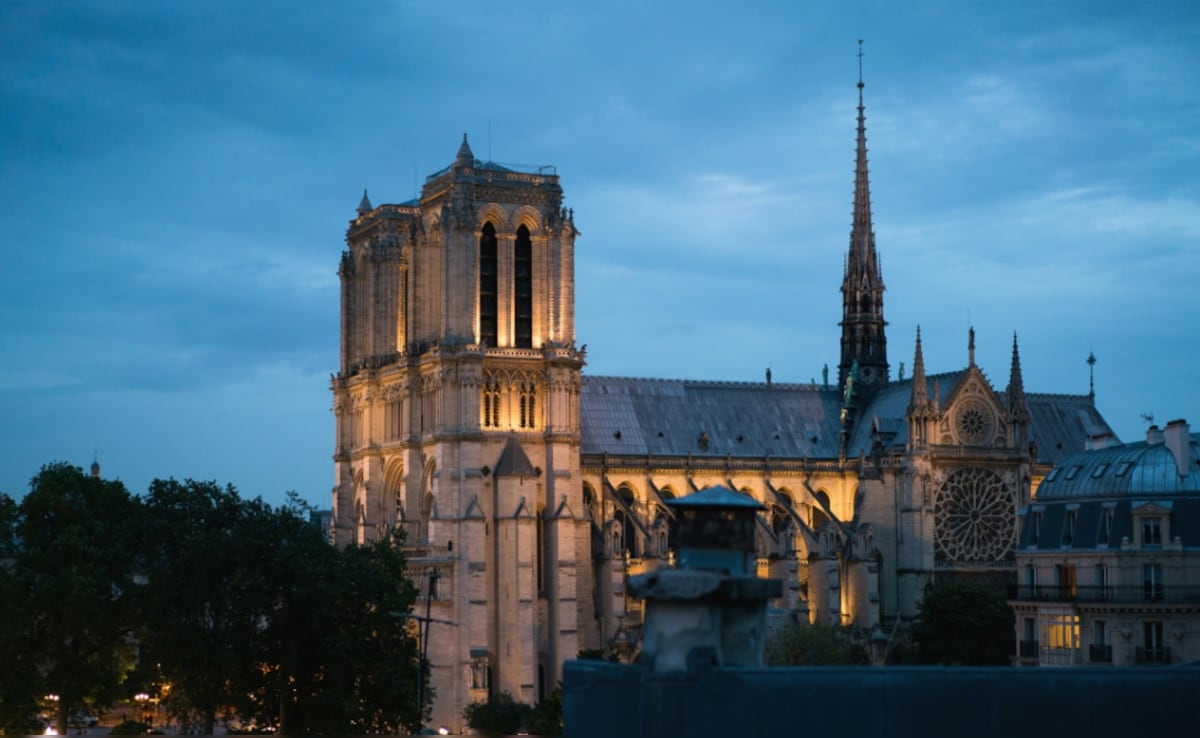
x=1154, y=435
x=1179, y=440
x=1099, y=441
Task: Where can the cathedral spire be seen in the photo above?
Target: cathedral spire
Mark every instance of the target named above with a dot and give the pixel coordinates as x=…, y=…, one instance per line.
x=863, y=336
x=364, y=205
x=920, y=393
x=1016, y=385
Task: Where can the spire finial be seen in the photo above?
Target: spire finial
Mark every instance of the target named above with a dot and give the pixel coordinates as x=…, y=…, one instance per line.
x=860, y=56
x=971, y=345
x=1091, y=362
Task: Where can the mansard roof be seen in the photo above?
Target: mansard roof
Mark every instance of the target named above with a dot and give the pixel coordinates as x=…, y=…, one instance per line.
x=1142, y=469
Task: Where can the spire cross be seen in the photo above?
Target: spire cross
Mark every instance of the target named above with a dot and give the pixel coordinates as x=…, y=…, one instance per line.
x=860, y=56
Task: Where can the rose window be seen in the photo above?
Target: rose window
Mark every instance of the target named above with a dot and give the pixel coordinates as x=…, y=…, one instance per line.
x=975, y=518
x=973, y=421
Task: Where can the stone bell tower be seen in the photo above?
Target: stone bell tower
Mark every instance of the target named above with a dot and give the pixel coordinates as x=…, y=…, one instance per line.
x=457, y=406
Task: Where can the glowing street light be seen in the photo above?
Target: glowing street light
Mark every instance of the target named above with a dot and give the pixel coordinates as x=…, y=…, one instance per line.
x=142, y=698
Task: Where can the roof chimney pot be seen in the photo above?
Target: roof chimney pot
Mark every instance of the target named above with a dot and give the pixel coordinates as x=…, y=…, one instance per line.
x=1179, y=440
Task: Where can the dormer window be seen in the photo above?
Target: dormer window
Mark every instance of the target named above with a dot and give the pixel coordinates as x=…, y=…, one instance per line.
x=1069, y=527
x=1051, y=475
x=1099, y=472
x=1123, y=468
x=1073, y=472
x=1106, y=521
x=1151, y=531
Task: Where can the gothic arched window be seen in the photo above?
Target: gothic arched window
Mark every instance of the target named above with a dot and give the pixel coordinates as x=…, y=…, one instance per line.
x=523, y=290
x=487, y=286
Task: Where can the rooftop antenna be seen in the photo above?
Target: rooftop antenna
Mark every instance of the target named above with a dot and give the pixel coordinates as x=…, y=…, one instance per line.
x=1091, y=362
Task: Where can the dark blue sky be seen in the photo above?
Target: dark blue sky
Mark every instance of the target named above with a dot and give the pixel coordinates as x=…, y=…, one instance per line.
x=176, y=178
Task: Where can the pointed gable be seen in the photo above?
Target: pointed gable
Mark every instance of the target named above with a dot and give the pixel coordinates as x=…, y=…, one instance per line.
x=513, y=461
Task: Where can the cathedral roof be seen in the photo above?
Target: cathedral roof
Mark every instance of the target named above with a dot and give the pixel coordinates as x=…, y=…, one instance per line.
x=675, y=417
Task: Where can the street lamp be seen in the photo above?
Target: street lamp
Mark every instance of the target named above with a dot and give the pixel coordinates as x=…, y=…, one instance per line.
x=141, y=698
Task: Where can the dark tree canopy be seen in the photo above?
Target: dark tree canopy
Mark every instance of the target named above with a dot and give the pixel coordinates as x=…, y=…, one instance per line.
x=70, y=593
x=218, y=604
x=811, y=644
x=964, y=624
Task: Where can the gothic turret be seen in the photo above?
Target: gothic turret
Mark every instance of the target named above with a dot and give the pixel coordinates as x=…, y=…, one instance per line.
x=863, y=338
x=918, y=404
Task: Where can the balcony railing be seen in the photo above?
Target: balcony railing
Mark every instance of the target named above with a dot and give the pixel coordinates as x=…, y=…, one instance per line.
x=1100, y=653
x=1154, y=594
x=1161, y=655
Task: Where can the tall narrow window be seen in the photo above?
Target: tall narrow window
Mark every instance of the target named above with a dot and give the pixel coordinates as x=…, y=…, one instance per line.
x=1152, y=582
x=1106, y=519
x=487, y=286
x=528, y=392
x=1068, y=534
x=523, y=290
x=1154, y=651
x=1066, y=581
x=1151, y=532
x=491, y=405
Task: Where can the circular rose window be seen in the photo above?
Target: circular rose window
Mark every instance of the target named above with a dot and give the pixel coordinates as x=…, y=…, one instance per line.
x=973, y=420
x=975, y=518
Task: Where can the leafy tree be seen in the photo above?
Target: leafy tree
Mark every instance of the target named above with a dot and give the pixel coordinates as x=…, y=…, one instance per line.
x=356, y=603
x=810, y=644
x=500, y=715
x=964, y=624
x=208, y=593
x=69, y=591
x=547, y=718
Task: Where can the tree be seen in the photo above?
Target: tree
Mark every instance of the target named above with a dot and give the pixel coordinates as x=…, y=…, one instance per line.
x=810, y=644
x=964, y=624
x=500, y=715
x=70, y=592
x=208, y=593
x=357, y=604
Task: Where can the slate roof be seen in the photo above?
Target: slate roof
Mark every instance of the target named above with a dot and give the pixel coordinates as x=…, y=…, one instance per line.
x=1130, y=470
x=674, y=417
x=669, y=417
x=1062, y=424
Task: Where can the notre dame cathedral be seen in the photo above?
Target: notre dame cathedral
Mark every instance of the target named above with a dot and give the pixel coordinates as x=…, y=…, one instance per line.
x=529, y=491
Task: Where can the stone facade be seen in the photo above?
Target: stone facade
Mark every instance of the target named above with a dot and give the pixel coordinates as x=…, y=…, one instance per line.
x=1108, y=557
x=529, y=493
